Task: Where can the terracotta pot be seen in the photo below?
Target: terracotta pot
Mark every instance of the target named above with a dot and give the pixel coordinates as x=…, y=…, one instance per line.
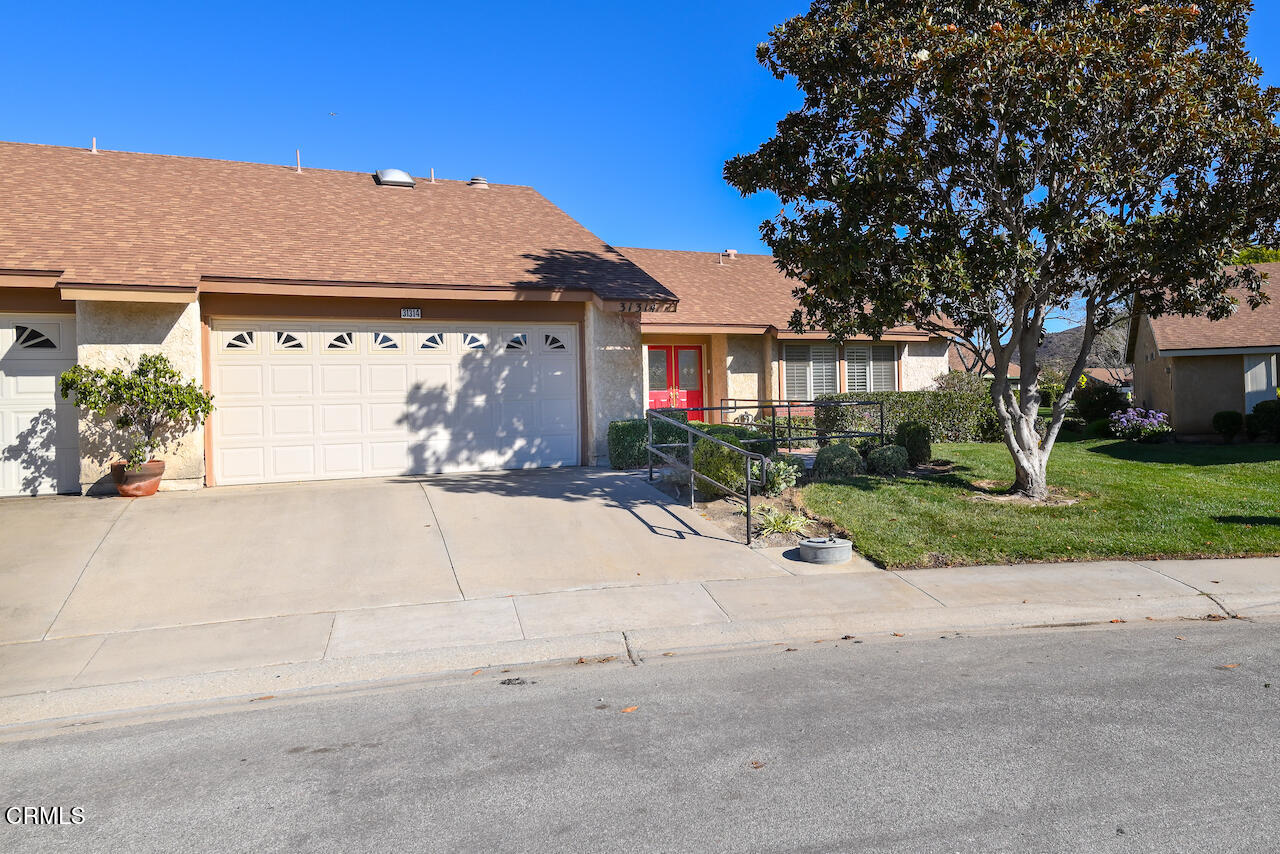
x=138, y=481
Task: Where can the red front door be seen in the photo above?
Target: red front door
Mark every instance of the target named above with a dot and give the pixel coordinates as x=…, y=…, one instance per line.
x=675, y=378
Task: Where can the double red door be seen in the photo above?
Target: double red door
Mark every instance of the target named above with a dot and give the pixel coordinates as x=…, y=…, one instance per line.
x=675, y=378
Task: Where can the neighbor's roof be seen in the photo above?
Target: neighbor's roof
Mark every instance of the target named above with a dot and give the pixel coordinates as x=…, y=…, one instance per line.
x=147, y=219
x=716, y=290
x=1246, y=328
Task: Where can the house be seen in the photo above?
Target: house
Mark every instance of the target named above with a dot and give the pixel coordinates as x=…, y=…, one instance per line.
x=1192, y=367
x=354, y=324
x=728, y=341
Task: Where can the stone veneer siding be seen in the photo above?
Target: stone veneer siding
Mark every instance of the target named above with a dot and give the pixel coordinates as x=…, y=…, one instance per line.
x=114, y=334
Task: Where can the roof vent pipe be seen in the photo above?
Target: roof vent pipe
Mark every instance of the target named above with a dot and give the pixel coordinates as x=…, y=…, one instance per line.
x=477, y=181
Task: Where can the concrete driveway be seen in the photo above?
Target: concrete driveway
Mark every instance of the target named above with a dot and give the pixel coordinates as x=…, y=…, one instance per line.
x=91, y=566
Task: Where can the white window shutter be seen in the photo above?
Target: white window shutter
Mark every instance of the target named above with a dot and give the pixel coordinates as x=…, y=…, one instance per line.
x=823, y=360
x=857, y=368
x=884, y=368
x=796, y=371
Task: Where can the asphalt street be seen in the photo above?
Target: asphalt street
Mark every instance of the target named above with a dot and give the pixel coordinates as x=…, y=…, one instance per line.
x=1152, y=737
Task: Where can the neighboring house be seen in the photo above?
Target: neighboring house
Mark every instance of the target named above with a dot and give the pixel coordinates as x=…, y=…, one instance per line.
x=729, y=339
x=351, y=325
x=956, y=362
x=1192, y=367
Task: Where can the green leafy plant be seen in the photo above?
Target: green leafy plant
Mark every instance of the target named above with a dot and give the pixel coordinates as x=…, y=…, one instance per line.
x=719, y=463
x=150, y=404
x=838, y=462
x=783, y=473
x=914, y=436
x=1266, y=415
x=1228, y=423
x=770, y=520
x=889, y=460
x=1097, y=400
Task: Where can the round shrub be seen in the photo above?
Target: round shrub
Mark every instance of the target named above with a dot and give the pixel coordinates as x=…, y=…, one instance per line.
x=914, y=436
x=720, y=464
x=1140, y=425
x=1095, y=401
x=1266, y=418
x=891, y=459
x=1228, y=423
x=838, y=461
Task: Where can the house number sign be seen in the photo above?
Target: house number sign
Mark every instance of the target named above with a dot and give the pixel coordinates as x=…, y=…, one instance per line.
x=410, y=314
x=647, y=307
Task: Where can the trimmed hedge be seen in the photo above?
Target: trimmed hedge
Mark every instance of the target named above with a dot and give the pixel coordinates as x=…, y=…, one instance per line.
x=914, y=436
x=720, y=464
x=951, y=416
x=1228, y=423
x=838, y=461
x=891, y=459
x=1266, y=419
x=739, y=434
x=627, y=440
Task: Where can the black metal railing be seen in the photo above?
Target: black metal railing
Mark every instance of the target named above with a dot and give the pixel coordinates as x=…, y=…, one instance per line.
x=793, y=409
x=693, y=435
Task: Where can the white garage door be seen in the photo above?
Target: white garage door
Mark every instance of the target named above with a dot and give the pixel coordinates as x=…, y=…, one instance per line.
x=39, y=443
x=304, y=401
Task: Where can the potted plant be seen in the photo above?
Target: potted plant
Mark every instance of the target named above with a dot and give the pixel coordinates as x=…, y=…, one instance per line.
x=150, y=405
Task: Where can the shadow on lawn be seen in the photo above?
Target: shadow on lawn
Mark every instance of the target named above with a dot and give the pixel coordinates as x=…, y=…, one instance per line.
x=1174, y=453
x=951, y=480
x=1249, y=521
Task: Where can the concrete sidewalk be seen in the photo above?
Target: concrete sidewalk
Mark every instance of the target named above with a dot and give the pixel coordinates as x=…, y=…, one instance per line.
x=113, y=671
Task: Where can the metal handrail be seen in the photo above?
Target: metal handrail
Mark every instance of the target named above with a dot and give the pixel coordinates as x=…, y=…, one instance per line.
x=733, y=404
x=692, y=433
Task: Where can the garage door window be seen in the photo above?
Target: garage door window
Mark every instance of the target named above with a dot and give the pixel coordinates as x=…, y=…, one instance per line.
x=519, y=341
x=30, y=338
x=474, y=340
x=290, y=341
x=240, y=341
x=385, y=340
x=432, y=341
x=341, y=341
x=553, y=342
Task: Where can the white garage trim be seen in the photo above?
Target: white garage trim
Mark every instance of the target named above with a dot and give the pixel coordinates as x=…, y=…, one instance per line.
x=39, y=432
x=308, y=400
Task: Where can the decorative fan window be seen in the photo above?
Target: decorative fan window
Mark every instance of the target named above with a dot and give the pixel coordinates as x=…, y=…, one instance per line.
x=553, y=342
x=289, y=341
x=519, y=341
x=384, y=341
x=240, y=341
x=342, y=341
x=472, y=341
x=434, y=341
x=30, y=338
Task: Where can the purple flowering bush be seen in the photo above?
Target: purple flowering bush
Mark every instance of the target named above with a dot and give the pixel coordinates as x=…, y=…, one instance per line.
x=1140, y=425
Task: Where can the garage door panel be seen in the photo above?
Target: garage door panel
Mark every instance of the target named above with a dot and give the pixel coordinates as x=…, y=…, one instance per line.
x=292, y=380
x=339, y=379
x=296, y=420
x=388, y=399
x=39, y=432
x=238, y=422
x=340, y=418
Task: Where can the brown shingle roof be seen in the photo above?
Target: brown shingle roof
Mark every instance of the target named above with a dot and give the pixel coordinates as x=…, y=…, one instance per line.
x=147, y=219
x=1246, y=328
x=747, y=290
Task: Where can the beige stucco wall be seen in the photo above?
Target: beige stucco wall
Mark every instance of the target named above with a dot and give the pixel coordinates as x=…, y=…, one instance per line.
x=922, y=362
x=1152, y=374
x=1203, y=385
x=114, y=334
x=744, y=355
x=614, y=379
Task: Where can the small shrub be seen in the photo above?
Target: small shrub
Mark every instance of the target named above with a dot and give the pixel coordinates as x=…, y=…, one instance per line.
x=838, y=461
x=1140, y=425
x=1096, y=401
x=720, y=464
x=1228, y=423
x=771, y=521
x=627, y=440
x=914, y=436
x=783, y=473
x=1099, y=428
x=1266, y=416
x=889, y=460
x=1074, y=424
x=1053, y=382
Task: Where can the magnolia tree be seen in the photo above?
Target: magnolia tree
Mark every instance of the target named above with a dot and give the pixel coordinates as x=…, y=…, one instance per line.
x=975, y=167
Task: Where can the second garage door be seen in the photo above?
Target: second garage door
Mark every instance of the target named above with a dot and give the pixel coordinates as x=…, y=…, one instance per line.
x=304, y=401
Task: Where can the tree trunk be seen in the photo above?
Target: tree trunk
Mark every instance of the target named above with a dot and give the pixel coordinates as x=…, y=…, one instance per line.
x=1030, y=479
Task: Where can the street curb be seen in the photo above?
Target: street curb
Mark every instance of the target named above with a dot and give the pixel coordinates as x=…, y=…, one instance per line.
x=72, y=706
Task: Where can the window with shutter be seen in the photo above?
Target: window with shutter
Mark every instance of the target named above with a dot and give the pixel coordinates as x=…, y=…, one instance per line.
x=859, y=372
x=796, y=371
x=884, y=368
x=823, y=370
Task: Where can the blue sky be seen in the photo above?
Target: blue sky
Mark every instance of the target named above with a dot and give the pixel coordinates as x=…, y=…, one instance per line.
x=622, y=114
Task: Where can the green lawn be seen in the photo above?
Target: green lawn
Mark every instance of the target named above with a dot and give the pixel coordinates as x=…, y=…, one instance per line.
x=1137, y=500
